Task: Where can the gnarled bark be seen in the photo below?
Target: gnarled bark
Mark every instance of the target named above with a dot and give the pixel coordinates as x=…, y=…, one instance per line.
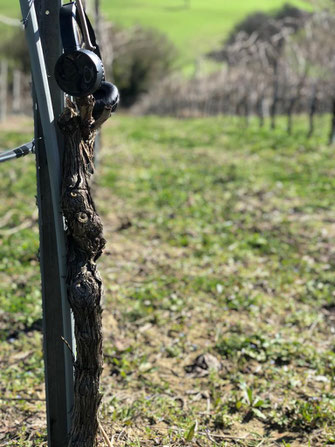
x=85, y=245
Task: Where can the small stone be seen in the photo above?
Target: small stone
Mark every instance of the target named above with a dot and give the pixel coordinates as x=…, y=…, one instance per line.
x=203, y=364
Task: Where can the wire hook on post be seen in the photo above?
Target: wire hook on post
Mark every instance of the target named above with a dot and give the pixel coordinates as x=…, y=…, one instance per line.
x=24, y=21
x=86, y=34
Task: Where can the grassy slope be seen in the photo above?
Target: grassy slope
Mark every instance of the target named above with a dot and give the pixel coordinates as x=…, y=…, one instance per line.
x=194, y=31
x=220, y=241
x=10, y=9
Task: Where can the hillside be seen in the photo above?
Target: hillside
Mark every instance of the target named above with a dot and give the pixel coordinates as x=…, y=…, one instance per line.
x=194, y=29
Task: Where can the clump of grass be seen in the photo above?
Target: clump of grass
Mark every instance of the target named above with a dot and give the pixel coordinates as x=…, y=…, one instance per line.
x=265, y=348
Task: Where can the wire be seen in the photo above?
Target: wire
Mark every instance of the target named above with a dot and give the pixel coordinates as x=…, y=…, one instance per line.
x=24, y=21
x=18, y=152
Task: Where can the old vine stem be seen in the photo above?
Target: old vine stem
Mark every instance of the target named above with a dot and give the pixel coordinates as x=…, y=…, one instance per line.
x=85, y=244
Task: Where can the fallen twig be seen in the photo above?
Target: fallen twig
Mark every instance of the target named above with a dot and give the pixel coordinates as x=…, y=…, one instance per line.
x=104, y=435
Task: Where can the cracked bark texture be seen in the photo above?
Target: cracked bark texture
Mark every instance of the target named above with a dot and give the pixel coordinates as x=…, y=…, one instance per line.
x=85, y=244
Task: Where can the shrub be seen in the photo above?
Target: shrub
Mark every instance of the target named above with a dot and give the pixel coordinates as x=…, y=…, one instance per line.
x=15, y=50
x=147, y=56
x=265, y=25
x=134, y=58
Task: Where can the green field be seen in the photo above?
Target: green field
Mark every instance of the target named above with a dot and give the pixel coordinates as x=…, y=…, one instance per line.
x=194, y=30
x=220, y=241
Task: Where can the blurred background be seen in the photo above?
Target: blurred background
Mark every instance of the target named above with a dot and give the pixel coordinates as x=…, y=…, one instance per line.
x=191, y=58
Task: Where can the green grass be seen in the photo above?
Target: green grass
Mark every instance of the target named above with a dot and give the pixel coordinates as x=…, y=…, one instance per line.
x=195, y=30
x=10, y=9
x=220, y=241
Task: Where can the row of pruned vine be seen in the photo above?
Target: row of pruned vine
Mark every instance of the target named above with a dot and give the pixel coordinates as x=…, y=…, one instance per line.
x=288, y=69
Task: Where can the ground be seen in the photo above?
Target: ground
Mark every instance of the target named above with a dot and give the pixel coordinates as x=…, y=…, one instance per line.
x=220, y=248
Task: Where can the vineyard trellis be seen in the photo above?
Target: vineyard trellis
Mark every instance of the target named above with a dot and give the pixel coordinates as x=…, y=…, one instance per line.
x=67, y=369
x=57, y=319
